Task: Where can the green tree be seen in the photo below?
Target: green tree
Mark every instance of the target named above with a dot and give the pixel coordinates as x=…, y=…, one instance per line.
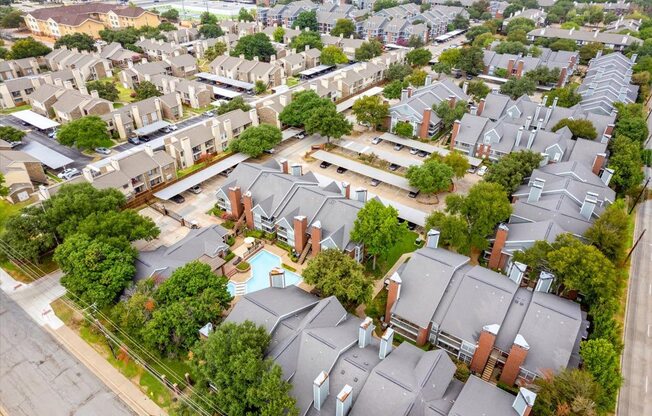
x=448, y=115
x=384, y=4
x=478, y=9
x=85, y=133
x=393, y=89
x=11, y=134
x=589, y=51
x=171, y=14
x=510, y=171
x=210, y=31
x=472, y=60
x=125, y=224
x=145, y=90
x=404, y=129
x=81, y=41
x=602, y=361
x=301, y=107
x=309, y=38
x=167, y=27
x=418, y=57
x=512, y=47
x=416, y=42
x=579, y=128
x=398, y=71
x=234, y=104
x=207, y=18
x=566, y=96
x=371, y=110
x=570, y=390
x=515, y=87
x=476, y=31
x=544, y=75
x=212, y=52
x=95, y=271
x=460, y=22
x=307, y=19
x=450, y=57
x=369, y=50
x=469, y=220
x=335, y=273
x=633, y=127
x=478, y=89
x=245, y=16
x=254, y=45
x=255, y=140
x=279, y=34
x=343, y=27
x=417, y=78
x=27, y=48
x=333, y=55
x=519, y=23
x=4, y=191
x=625, y=160
x=328, y=123
x=563, y=45
x=609, y=232
x=377, y=227
x=231, y=365
x=430, y=178
x=106, y=89
x=132, y=314
x=260, y=87
x=484, y=40
x=11, y=19
x=458, y=162
x=518, y=35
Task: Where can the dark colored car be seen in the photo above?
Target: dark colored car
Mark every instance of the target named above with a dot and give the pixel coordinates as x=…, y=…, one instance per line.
x=341, y=170
x=413, y=194
x=393, y=167
x=178, y=199
x=324, y=165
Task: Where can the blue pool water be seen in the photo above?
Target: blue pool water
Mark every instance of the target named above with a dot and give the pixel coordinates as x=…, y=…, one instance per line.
x=261, y=264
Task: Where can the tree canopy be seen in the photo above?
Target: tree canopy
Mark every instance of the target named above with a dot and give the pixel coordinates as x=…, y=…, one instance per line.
x=302, y=105
x=11, y=134
x=448, y=115
x=255, y=140
x=212, y=52
x=333, y=55
x=625, y=160
x=515, y=87
x=85, y=133
x=510, y=171
x=81, y=41
x=344, y=28
x=568, y=390
x=418, y=57
x=145, y=90
x=404, y=129
x=394, y=88
x=254, y=45
x=279, y=34
x=609, y=233
x=335, y=273
x=210, y=31
x=580, y=128
x=371, y=110
x=397, y=71
x=27, y=48
x=566, y=96
x=234, y=104
x=369, y=50
x=602, y=361
x=310, y=39
x=306, y=19
x=328, y=123
x=431, y=177
x=171, y=14
x=245, y=16
x=471, y=60
x=105, y=89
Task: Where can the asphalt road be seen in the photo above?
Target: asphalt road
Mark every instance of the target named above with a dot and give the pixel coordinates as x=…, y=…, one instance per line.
x=39, y=377
x=184, y=123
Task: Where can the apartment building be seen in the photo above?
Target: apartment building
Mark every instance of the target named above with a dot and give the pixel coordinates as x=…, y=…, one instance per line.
x=246, y=70
x=65, y=104
x=157, y=50
x=117, y=55
x=275, y=197
x=294, y=62
x=135, y=173
x=538, y=16
x=517, y=65
x=437, y=18
x=88, y=18
x=608, y=81
x=14, y=92
x=21, y=172
x=416, y=106
x=182, y=66
x=134, y=74
x=336, y=366
x=613, y=41
x=182, y=35
x=122, y=122
x=193, y=144
x=285, y=14
x=17, y=68
x=484, y=318
x=348, y=45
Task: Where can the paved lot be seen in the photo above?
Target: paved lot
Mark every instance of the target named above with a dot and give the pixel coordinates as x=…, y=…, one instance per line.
x=39, y=377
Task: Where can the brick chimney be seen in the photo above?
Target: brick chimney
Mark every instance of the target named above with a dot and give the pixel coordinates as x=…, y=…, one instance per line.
x=510, y=68
x=484, y=347
x=451, y=101
x=300, y=225
x=284, y=166
x=456, y=130
x=608, y=131
x=364, y=332
x=562, y=77
x=346, y=190
x=496, y=260
x=344, y=401
x=519, y=68
x=235, y=199
x=517, y=355
x=315, y=237
x=248, y=206
x=481, y=107
x=393, y=293
x=386, y=343
x=320, y=388
x=425, y=123
x=598, y=162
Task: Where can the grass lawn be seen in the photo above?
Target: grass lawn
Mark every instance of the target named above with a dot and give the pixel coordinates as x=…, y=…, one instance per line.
x=124, y=93
x=291, y=82
x=402, y=246
x=54, y=177
x=7, y=209
x=13, y=110
x=46, y=266
x=623, y=271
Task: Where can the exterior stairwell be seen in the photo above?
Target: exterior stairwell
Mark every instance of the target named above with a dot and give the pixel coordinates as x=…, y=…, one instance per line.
x=240, y=288
x=489, y=368
x=305, y=252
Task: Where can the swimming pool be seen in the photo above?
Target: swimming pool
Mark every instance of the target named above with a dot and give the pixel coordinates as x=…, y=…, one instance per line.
x=261, y=264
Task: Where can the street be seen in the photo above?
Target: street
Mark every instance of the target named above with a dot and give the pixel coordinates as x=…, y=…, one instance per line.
x=39, y=377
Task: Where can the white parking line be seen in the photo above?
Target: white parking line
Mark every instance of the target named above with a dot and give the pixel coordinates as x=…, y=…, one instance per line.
x=646, y=384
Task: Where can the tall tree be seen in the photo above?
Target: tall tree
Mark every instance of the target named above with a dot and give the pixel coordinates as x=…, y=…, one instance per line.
x=418, y=57
x=301, y=107
x=458, y=162
x=245, y=16
x=255, y=140
x=234, y=104
x=171, y=14
x=254, y=45
x=377, y=227
x=602, y=361
x=369, y=50
x=145, y=90
x=430, y=178
x=310, y=39
x=126, y=224
x=333, y=55
x=211, y=31
x=335, y=273
x=371, y=110
x=279, y=34
x=212, y=52
x=85, y=133
x=81, y=41
x=397, y=71
x=566, y=96
x=609, y=233
x=515, y=87
x=404, y=129
x=569, y=390
x=11, y=134
x=471, y=60
x=328, y=123
x=307, y=19
x=105, y=89
x=625, y=160
x=580, y=128
x=207, y=18
x=448, y=115
x=27, y=48
x=510, y=171
x=343, y=27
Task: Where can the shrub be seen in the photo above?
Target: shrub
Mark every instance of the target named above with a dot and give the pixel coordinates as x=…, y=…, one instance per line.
x=242, y=266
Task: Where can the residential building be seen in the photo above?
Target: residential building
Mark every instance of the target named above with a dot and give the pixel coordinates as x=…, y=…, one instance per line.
x=624, y=24
x=582, y=37
x=182, y=66
x=416, y=106
x=279, y=198
x=193, y=144
x=123, y=121
x=206, y=245
x=439, y=17
x=67, y=104
x=241, y=69
x=134, y=74
x=21, y=172
x=519, y=65
x=14, y=92
x=182, y=35
x=156, y=50
x=287, y=36
x=135, y=173
x=117, y=55
x=484, y=318
x=294, y=62
x=88, y=18
x=90, y=66
x=285, y=14
x=348, y=45
x=608, y=81
x=538, y=16
x=17, y=68
x=193, y=93
x=465, y=3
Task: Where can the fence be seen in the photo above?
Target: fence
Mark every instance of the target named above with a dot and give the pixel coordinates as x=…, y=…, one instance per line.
x=167, y=212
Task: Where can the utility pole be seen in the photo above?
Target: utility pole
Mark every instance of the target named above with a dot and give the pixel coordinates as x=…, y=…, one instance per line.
x=639, y=196
x=638, y=240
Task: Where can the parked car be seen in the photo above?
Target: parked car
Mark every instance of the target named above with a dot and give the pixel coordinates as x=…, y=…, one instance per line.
x=414, y=151
x=398, y=147
x=376, y=140
x=270, y=151
x=375, y=182
x=393, y=167
x=69, y=173
x=341, y=169
x=144, y=138
x=422, y=153
x=133, y=140
x=469, y=76
x=482, y=170
x=413, y=194
x=471, y=169
x=324, y=165
x=52, y=134
x=209, y=114
x=195, y=189
x=301, y=135
x=15, y=144
x=170, y=128
x=178, y=199
x=103, y=150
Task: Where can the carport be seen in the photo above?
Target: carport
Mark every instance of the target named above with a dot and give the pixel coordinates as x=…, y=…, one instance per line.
x=346, y=104
x=234, y=83
x=289, y=133
x=224, y=93
x=364, y=170
x=392, y=157
x=428, y=148
x=36, y=120
x=151, y=128
x=50, y=158
x=201, y=176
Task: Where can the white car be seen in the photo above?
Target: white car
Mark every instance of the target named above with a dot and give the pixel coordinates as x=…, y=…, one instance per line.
x=482, y=170
x=69, y=173
x=195, y=189
x=376, y=140
x=209, y=114
x=414, y=151
x=170, y=128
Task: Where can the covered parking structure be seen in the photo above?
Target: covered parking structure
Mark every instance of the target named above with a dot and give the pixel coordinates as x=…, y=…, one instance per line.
x=48, y=157
x=201, y=176
x=364, y=170
x=428, y=148
x=290, y=133
x=392, y=157
x=224, y=93
x=346, y=104
x=218, y=79
x=315, y=71
x=151, y=128
x=36, y=120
